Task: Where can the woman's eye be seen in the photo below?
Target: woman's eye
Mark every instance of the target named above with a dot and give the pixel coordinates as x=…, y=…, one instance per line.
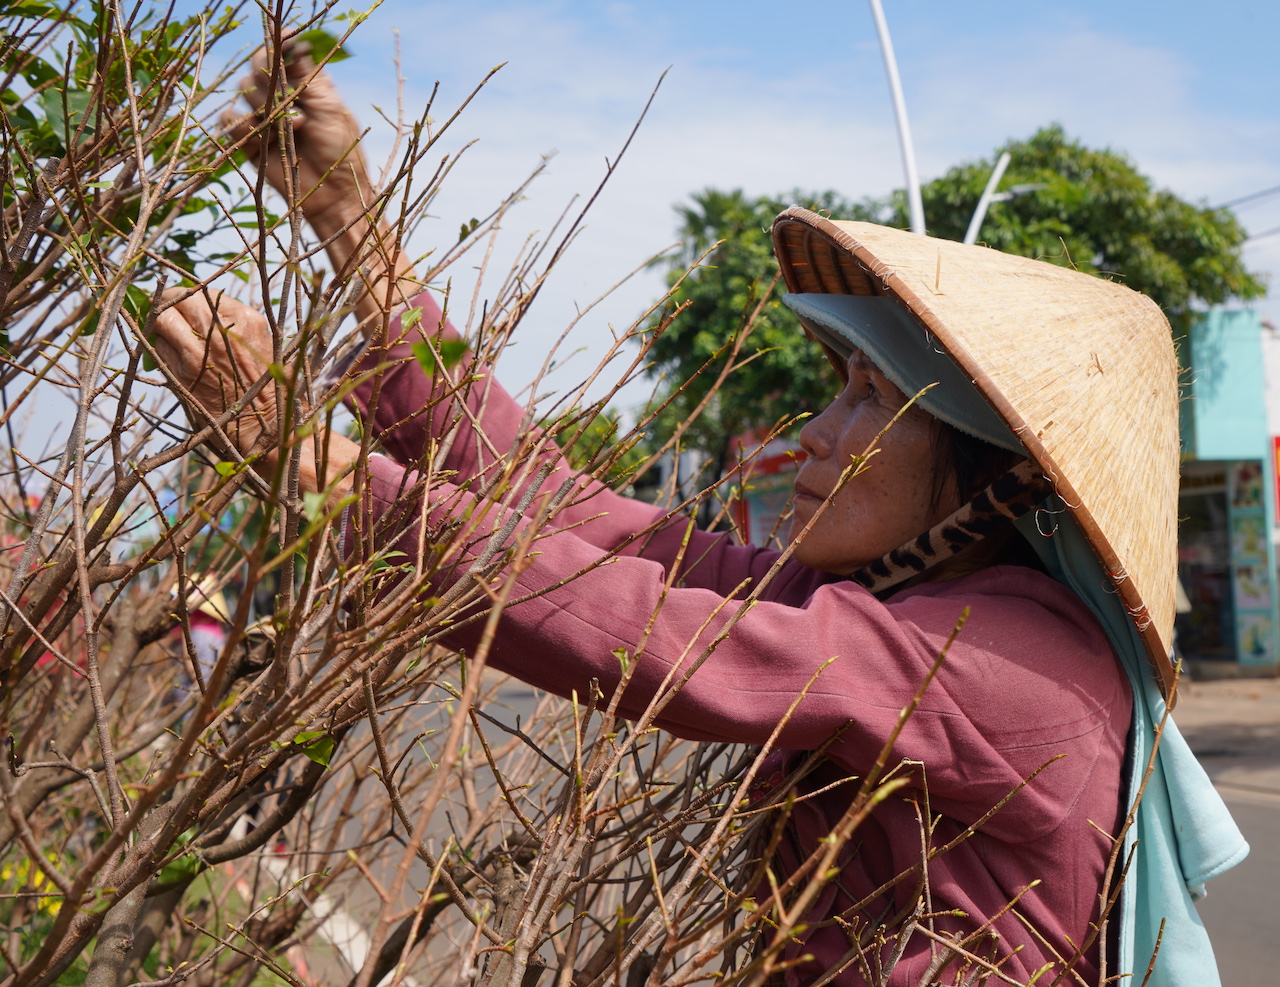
x=861, y=387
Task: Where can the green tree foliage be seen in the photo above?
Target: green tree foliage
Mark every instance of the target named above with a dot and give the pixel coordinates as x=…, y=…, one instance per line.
x=593, y=440
x=83, y=87
x=1096, y=212
x=777, y=374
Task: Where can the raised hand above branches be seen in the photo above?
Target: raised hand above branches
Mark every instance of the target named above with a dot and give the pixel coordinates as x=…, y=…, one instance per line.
x=306, y=143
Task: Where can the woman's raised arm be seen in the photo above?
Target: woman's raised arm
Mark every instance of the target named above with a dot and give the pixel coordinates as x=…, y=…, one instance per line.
x=334, y=191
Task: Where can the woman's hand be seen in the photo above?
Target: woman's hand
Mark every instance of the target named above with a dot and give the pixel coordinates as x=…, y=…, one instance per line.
x=216, y=352
x=334, y=190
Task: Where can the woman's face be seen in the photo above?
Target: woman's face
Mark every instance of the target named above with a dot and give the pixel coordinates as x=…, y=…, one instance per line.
x=891, y=501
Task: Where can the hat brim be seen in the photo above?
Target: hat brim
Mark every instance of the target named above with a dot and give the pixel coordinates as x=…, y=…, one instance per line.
x=896, y=343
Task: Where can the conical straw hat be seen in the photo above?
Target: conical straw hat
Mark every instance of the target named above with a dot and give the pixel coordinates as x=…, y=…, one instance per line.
x=1081, y=369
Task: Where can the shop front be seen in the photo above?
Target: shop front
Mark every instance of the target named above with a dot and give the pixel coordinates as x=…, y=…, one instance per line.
x=763, y=513
x=1227, y=608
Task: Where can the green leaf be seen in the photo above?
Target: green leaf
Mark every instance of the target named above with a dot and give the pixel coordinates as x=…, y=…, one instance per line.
x=313, y=505
x=383, y=563
x=184, y=867
x=20, y=118
x=137, y=303
x=356, y=17
x=179, y=870
x=467, y=229
x=451, y=351
x=320, y=750
x=225, y=468
x=27, y=8
x=410, y=317
x=100, y=185
x=65, y=120
x=426, y=359
x=323, y=45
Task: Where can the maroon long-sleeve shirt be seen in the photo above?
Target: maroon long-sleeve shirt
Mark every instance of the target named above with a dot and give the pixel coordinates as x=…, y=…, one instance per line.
x=1030, y=678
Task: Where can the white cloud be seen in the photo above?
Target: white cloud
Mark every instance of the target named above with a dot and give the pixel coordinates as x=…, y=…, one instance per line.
x=1107, y=91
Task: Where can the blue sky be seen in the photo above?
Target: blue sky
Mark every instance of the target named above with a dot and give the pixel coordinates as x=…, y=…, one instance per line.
x=770, y=97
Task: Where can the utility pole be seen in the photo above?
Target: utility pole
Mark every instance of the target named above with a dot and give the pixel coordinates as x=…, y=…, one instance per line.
x=915, y=204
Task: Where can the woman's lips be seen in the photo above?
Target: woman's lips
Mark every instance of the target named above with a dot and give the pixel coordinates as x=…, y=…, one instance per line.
x=805, y=493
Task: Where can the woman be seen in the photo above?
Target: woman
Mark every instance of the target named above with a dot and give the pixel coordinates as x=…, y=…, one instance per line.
x=1034, y=372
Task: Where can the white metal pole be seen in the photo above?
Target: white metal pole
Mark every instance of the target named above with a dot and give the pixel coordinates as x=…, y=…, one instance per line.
x=915, y=204
x=984, y=202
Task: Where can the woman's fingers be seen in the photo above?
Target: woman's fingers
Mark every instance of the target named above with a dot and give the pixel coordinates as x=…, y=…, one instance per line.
x=217, y=347
x=241, y=129
x=315, y=92
x=255, y=89
x=298, y=63
x=333, y=182
x=318, y=102
x=256, y=86
x=199, y=308
x=216, y=334
x=173, y=345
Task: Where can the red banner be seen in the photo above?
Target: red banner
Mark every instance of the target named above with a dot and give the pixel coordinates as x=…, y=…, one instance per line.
x=1275, y=473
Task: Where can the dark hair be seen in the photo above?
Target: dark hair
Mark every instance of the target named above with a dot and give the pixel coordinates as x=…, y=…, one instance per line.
x=973, y=462
x=975, y=465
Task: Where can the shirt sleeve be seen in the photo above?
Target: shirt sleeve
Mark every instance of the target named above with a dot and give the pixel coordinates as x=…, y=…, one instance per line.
x=1030, y=677
x=469, y=427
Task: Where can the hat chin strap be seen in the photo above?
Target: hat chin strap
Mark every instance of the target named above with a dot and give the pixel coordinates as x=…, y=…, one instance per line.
x=993, y=509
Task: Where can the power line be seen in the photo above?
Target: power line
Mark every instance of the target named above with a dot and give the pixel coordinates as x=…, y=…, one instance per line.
x=1259, y=236
x=1250, y=198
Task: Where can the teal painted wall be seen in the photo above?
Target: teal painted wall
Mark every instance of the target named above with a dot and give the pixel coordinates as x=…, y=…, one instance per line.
x=1227, y=410
x=1224, y=417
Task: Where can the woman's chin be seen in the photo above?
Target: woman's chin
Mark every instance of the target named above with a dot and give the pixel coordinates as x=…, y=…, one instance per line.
x=807, y=554
x=814, y=552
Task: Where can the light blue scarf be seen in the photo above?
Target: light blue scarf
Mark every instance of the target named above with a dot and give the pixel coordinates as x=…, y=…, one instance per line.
x=1183, y=832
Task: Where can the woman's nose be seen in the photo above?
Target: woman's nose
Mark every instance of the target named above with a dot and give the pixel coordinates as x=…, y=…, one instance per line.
x=816, y=437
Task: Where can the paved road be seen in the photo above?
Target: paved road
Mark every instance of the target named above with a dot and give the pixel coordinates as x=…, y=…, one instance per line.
x=1234, y=727
x=1243, y=906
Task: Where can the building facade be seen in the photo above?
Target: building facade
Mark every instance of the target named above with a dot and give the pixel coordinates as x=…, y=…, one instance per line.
x=1228, y=618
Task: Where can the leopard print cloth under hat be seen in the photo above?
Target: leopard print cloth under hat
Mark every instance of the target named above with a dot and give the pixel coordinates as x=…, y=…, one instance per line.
x=1007, y=499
